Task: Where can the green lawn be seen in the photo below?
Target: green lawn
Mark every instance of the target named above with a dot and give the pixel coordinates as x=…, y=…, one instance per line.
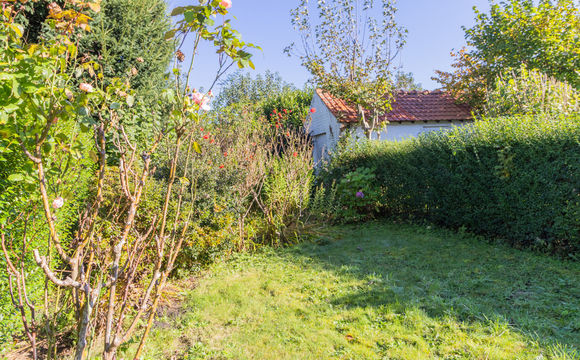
x=379, y=291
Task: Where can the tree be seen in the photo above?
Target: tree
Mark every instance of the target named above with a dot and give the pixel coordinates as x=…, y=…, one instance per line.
x=348, y=47
x=406, y=82
x=545, y=37
x=240, y=88
x=124, y=34
x=128, y=35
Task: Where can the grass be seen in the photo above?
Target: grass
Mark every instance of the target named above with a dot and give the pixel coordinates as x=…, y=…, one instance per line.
x=379, y=291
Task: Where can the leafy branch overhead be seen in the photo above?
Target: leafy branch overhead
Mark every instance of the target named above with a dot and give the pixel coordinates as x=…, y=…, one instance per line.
x=200, y=20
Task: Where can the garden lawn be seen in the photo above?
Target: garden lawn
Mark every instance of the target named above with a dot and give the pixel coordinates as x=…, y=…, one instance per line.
x=379, y=291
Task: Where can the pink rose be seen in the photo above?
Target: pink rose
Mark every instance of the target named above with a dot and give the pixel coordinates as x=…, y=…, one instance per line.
x=86, y=87
x=202, y=100
x=226, y=3
x=57, y=203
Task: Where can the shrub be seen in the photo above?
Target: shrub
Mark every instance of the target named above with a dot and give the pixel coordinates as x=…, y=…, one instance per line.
x=516, y=178
x=289, y=107
x=531, y=92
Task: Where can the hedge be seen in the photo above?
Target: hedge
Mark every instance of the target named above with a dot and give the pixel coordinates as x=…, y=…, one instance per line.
x=515, y=178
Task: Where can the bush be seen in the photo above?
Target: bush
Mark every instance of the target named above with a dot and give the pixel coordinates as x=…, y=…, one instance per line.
x=530, y=92
x=516, y=178
x=289, y=107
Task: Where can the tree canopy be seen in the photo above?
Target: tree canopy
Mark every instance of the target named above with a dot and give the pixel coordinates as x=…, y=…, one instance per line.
x=349, y=48
x=241, y=87
x=544, y=37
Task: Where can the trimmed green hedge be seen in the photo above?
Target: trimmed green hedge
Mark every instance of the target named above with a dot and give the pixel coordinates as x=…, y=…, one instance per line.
x=514, y=178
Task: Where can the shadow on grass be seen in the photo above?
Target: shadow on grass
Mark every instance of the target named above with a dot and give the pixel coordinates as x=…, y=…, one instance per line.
x=449, y=275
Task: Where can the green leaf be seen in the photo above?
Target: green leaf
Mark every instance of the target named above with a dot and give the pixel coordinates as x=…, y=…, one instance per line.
x=93, y=156
x=84, y=111
x=15, y=177
x=130, y=100
x=189, y=16
x=170, y=34
x=178, y=10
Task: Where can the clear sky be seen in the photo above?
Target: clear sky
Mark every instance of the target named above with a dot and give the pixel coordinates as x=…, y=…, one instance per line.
x=434, y=30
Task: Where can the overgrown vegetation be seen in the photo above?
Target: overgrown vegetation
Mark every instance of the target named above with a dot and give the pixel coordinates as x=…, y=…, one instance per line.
x=525, y=92
x=118, y=181
x=105, y=265
x=514, y=178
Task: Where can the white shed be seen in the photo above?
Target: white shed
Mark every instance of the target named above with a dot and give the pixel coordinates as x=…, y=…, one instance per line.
x=413, y=113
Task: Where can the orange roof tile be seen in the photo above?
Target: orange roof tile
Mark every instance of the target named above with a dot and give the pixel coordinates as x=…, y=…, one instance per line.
x=406, y=106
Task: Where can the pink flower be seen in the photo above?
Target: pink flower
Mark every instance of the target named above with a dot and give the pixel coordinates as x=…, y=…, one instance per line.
x=226, y=3
x=57, y=203
x=86, y=87
x=202, y=100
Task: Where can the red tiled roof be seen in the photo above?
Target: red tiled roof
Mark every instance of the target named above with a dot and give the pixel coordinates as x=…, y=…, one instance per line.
x=406, y=106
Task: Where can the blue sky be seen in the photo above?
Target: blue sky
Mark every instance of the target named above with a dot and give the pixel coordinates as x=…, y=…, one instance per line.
x=434, y=29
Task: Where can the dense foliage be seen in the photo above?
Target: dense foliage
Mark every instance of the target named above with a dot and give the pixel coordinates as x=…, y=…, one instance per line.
x=514, y=178
x=544, y=37
x=242, y=89
x=129, y=36
x=107, y=234
x=531, y=93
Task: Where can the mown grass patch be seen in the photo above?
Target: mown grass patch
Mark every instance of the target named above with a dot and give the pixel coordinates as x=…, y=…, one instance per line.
x=380, y=291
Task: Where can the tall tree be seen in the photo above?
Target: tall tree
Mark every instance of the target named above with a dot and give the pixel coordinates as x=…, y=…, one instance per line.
x=128, y=35
x=545, y=37
x=241, y=87
x=349, y=47
x=124, y=36
x=406, y=82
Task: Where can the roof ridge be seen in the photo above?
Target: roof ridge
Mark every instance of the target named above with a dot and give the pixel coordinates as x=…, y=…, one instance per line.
x=439, y=106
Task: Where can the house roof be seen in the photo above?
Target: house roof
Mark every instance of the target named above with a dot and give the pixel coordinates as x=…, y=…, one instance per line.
x=406, y=106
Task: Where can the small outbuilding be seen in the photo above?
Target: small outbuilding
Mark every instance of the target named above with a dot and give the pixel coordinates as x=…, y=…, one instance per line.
x=413, y=113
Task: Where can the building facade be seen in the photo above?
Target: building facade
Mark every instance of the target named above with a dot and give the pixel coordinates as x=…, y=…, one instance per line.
x=412, y=114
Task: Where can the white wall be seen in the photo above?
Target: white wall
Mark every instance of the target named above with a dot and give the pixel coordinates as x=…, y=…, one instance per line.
x=397, y=132
x=324, y=129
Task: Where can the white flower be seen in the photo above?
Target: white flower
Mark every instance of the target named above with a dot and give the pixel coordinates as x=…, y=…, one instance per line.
x=57, y=203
